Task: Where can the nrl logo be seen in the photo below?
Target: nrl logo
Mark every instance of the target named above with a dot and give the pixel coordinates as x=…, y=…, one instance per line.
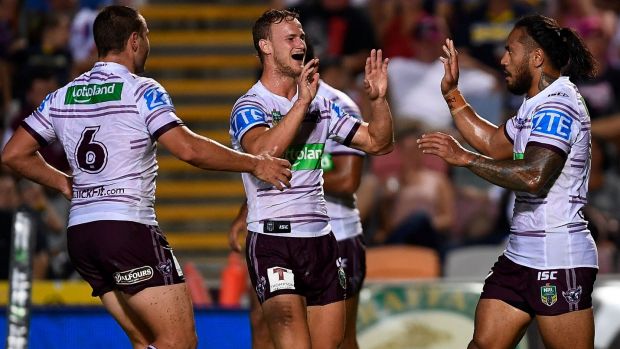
x=572, y=295
x=548, y=294
x=276, y=116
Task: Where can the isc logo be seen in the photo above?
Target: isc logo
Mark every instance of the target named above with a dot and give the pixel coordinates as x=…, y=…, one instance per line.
x=547, y=275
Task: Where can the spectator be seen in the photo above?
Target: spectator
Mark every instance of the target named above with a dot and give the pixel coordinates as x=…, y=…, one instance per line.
x=49, y=50
x=40, y=83
x=418, y=205
x=414, y=90
x=337, y=29
x=10, y=201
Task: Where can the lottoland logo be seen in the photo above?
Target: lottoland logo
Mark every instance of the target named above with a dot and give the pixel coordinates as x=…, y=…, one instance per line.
x=94, y=93
x=305, y=157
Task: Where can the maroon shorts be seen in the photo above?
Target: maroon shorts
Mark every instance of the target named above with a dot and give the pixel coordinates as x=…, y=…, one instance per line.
x=353, y=255
x=540, y=292
x=121, y=255
x=309, y=267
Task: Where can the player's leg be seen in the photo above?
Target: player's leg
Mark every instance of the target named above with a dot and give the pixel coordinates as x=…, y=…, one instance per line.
x=137, y=331
x=168, y=313
x=285, y=315
x=326, y=324
x=503, y=312
x=261, y=338
x=563, y=303
x=350, y=335
x=571, y=330
x=498, y=325
x=353, y=254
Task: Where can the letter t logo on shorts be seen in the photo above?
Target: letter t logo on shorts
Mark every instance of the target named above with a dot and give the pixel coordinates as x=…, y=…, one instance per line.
x=280, y=279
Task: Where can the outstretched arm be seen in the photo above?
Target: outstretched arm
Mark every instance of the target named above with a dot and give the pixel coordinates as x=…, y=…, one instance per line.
x=484, y=136
x=377, y=136
x=21, y=154
x=535, y=173
x=207, y=154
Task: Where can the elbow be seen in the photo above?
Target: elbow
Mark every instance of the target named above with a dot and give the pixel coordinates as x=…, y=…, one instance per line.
x=188, y=154
x=382, y=149
x=536, y=186
x=349, y=187
x=9, y=158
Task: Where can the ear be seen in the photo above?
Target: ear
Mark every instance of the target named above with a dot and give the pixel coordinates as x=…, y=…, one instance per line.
x=265, y=46
x=133, y=41
x=537, y=57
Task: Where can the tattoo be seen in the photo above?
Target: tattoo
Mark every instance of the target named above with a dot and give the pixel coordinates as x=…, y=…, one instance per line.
x=545, y=80
x=535, y=174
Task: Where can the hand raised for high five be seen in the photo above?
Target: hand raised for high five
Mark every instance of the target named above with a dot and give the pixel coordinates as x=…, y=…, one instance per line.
x=451, y=67
x=375, y=79
x=308, y=82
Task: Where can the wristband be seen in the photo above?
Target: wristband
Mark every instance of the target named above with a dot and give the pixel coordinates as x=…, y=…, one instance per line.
x=455, y=100
x=457, y=110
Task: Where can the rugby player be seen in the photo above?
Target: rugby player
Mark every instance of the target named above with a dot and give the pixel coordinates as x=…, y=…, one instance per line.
x=292, y=255
x=108, y=121
x=342, y=173
x=549, y=266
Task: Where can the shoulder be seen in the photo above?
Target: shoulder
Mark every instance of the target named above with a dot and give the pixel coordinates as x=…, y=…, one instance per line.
x=339, y=98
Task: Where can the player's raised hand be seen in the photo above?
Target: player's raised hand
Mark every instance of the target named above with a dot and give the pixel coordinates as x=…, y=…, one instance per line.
x=375, y=79
x=308, y=82
x=446, y=147
x=273, y=170
x=450, y=78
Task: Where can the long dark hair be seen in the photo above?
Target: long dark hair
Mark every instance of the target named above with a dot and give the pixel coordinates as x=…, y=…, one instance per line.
x=113, y=27
x=563, y=46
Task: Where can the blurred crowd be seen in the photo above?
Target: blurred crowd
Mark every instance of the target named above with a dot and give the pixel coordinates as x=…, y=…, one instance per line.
x=406, y=197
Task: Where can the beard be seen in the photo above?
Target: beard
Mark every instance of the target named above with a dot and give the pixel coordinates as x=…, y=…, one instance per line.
x=286, y=70
x=522, y=80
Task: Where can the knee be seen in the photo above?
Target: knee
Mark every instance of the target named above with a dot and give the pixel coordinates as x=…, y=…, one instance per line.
x=178, y=341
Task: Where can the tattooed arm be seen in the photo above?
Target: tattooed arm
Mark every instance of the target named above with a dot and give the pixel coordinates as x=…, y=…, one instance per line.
x=535, y=174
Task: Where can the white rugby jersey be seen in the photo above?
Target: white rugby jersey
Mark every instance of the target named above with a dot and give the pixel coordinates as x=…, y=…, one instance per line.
x=344, y=217
x=550, y=231
x=108, y=121
x=298, y=211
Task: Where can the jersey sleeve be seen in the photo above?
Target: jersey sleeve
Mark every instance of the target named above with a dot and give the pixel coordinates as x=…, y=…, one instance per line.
x=555, y=125
x=247, y=113
x=39, y=123
x=155, y=105
x=343, y=125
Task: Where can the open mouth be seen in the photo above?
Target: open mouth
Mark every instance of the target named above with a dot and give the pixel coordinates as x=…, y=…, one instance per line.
x=298, y=56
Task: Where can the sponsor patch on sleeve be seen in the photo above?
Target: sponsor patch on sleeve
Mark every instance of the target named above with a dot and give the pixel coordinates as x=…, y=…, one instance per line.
x=553, y=123
x=156, y=97
x=246, y=117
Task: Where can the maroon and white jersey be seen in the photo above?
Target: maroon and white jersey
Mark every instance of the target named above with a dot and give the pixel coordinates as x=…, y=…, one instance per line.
x=298, y=211
x=549, y=231
x=108, y=121
x=344, y=217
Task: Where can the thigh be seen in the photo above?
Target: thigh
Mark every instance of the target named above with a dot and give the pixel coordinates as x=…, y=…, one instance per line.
x=326, y=323
x=570, y=330
x=166, y=310
x=261, y=338
x=285, y=315
x=137, y=331
x=560, y=291
x=498, y=325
